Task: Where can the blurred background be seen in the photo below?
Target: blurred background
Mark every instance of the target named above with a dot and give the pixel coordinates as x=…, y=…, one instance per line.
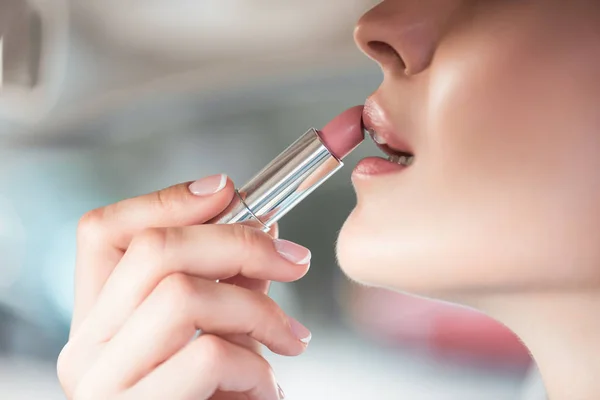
x=104, y=99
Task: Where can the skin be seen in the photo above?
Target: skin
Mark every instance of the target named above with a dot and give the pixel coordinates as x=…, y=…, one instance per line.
x=497, y=100
x=146, y=282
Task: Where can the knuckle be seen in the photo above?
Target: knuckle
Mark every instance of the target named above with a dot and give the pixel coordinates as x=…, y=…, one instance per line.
x=150, y=239
x=162, y=244
x=270, y=319
x=176, y=290
x=267, y=306
x=171, y=198
x=91, y=224
x=212, y=354
x=149, y=244
x=211, y=350
x=263, y=368
x=248, y=239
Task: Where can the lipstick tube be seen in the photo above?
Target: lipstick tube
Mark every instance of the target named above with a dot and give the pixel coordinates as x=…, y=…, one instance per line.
x=282, y=184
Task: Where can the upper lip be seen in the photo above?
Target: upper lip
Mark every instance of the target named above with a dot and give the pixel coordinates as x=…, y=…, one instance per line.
x=375, y=120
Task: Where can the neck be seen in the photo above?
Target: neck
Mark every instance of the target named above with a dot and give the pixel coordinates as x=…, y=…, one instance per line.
x=562, y=331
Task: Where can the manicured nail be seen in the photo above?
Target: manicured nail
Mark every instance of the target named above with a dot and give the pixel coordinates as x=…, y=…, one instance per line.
x=293, y=252
x=300, y=331
x=281, y=394
x=209, y=185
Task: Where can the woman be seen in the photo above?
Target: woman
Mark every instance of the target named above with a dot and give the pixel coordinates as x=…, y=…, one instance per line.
x=497, y=100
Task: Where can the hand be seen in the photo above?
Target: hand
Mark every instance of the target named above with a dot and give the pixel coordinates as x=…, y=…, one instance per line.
x=146, y=282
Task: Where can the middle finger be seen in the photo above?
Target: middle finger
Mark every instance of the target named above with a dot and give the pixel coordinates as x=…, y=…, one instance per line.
x=168, y=319
x=212, y=252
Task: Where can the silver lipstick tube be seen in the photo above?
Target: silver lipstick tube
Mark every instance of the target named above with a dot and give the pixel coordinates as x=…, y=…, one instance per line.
x=282, y=184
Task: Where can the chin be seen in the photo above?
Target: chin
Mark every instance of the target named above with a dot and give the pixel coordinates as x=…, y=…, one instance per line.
x=374, y=253
x=395, y=241
x=416, y=253
x=369, y=253
x=445, y=260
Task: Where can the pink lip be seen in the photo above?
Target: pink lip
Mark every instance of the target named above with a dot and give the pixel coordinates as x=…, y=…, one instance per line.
x=375, y=166
x=375, y=119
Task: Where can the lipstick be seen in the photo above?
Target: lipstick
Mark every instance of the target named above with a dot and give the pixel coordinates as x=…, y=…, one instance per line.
x=295, y=173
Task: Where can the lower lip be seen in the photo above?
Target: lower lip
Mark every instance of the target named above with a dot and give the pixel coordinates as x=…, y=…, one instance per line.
x=376, y=166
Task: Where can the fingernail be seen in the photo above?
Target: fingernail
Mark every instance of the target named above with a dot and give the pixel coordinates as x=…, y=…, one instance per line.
x=281, y=394
x=209, y=185
x=292, y=252
x=300, y=331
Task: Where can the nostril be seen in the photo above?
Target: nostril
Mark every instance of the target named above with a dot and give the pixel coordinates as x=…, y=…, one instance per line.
x=382, y=51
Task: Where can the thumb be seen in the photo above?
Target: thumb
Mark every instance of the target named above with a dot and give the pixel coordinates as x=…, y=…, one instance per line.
x=105, y=233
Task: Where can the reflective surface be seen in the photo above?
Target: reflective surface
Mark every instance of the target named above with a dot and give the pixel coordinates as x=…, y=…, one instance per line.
x=287, y=180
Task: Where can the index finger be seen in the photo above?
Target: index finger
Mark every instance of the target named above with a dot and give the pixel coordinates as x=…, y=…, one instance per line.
x=105, y=233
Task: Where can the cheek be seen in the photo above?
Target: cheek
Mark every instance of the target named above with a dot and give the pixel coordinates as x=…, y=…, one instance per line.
x=517, y=104
x=516, y=126
x=485, y=120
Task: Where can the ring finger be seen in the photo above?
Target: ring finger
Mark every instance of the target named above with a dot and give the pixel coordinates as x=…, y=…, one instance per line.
x=180, y=305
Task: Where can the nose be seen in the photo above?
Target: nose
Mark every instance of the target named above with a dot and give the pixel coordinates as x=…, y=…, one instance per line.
x=401, y=36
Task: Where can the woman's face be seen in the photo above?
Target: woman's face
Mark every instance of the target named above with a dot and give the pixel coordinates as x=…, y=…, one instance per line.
x=499, y=101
